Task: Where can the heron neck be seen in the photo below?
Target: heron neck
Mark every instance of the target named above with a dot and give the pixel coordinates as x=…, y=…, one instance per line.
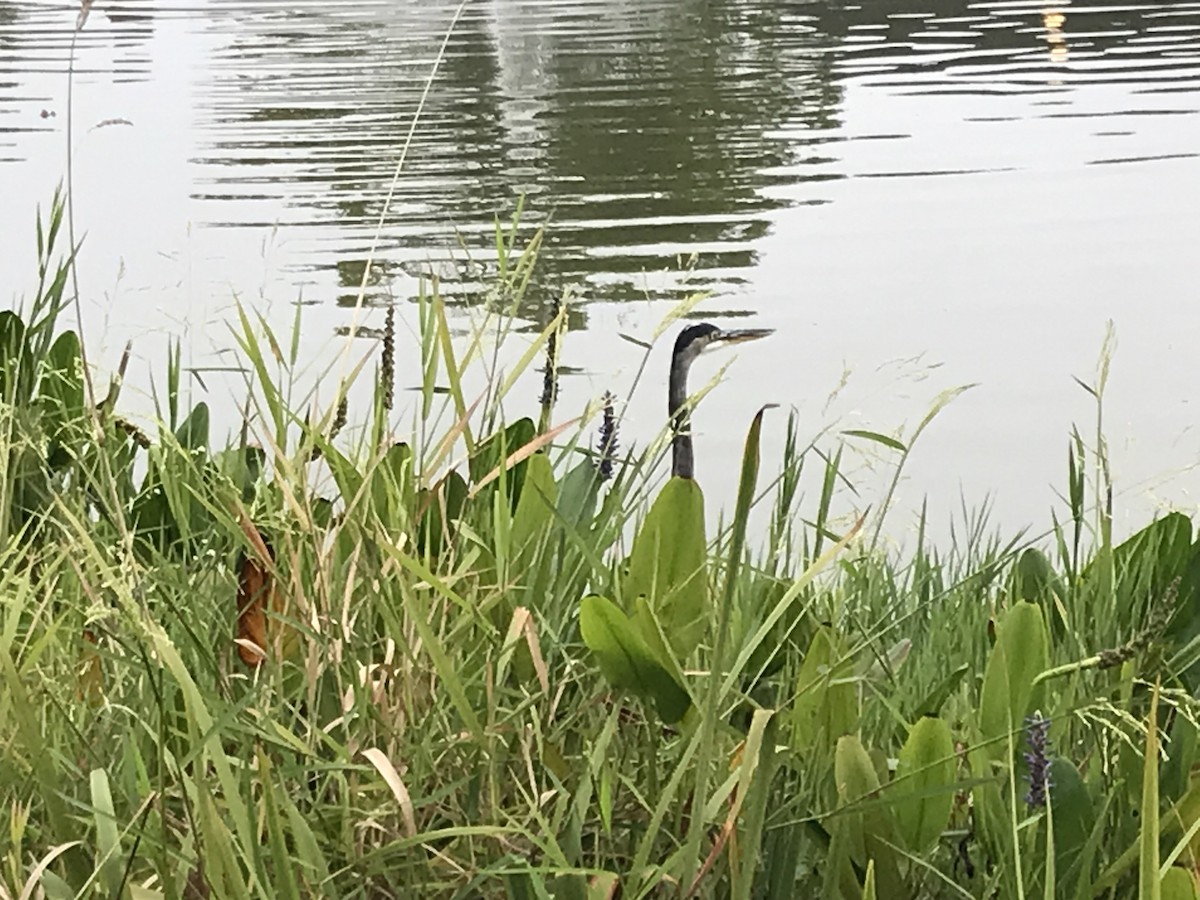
x=682, y=461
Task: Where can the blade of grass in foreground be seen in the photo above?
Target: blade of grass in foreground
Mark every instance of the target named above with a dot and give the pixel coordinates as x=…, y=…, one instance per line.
x=709, y=710
x=1149, y=883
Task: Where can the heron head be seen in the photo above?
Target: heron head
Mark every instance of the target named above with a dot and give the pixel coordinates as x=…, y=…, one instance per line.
x=695, y=339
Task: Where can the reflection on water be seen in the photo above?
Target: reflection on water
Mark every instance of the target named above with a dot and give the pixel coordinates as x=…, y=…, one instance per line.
x=647, y=132
x=881, y=168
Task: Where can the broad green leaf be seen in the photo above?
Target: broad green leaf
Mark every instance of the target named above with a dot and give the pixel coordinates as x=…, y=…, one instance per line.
x=60, y=395
x=840, y=880
x=1184, y=627
x=1179, y=884
x=925, y=783
x=1074, y=819
x=871, y=831
x=1143, y=567
x=535, y=509
x=491, y=453
x=826, y=705
x=346, y=476
x=440, y=508
x=1033, y=578
x=667, y=567
x=192, y=433
x=392, y=486
x=1175, y=777
x=626, y=660
x=1021, y=653
x=990, y=814
x=577, y=497
x=603, y=886
x=16, y=363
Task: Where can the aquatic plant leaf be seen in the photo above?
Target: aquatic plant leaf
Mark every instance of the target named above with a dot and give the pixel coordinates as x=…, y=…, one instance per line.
x=925, y=783
x=840, y=880
x=242, y=466
x=604, y=886
x=491, y=453
x=392, y=487
x=1183, y=630
x=1033, y=578
x=667, y=566
x=345, y=474
x=153, y=521
x=60, y=397
x=535, y=509
x=1184, y=818
x=108, y=836
x=1179, y=884
x=16, y=361
x=871, y=831
x=626, y=660
x=1143, y=568
x=577, y=495
x=1020, y=654
x=826, y=705
x=192, y=433
x=438, y=509
x=1074, y=819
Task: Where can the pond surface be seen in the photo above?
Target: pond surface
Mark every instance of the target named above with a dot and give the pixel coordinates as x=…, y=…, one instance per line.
x=916, y=195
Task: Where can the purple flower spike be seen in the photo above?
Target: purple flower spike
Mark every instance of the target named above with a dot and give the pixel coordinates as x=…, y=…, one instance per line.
x=1037, y=757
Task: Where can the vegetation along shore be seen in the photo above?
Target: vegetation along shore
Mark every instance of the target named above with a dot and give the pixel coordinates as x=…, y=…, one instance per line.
x=497, y=654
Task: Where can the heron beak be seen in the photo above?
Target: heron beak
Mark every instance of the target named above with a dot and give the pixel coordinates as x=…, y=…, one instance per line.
x=741, y=335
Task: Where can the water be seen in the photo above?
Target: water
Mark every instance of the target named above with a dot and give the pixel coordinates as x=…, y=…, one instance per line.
x=917, y=195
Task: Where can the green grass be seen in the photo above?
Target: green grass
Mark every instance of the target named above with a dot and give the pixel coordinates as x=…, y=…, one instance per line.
x=427, y=720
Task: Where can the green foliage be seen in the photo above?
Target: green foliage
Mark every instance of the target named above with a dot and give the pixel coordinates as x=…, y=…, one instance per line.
x=467, y=688
x=1149, y=880
x=826, y=704
x=925, y=784
x=1075, y=820
x=626, y=660
x=667, y=571
x=866, y=828
x=1009, y=690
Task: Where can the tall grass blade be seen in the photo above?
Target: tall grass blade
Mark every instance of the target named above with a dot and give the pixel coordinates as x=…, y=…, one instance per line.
x=1149, y=877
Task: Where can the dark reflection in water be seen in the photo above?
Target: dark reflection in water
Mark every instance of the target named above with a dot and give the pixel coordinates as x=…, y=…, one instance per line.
x=645, y=131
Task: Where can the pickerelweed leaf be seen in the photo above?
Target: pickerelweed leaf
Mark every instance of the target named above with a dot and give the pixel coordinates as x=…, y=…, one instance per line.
x=626, y=660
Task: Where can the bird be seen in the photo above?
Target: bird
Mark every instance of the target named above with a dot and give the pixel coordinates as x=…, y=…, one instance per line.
x=693, y=341
x=663, y=611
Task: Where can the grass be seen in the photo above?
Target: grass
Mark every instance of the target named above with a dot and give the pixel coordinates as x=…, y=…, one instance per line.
x=329, y=661
x=468, y=649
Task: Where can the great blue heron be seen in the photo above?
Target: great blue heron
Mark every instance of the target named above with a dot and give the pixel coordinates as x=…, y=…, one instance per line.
x=693, y=341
